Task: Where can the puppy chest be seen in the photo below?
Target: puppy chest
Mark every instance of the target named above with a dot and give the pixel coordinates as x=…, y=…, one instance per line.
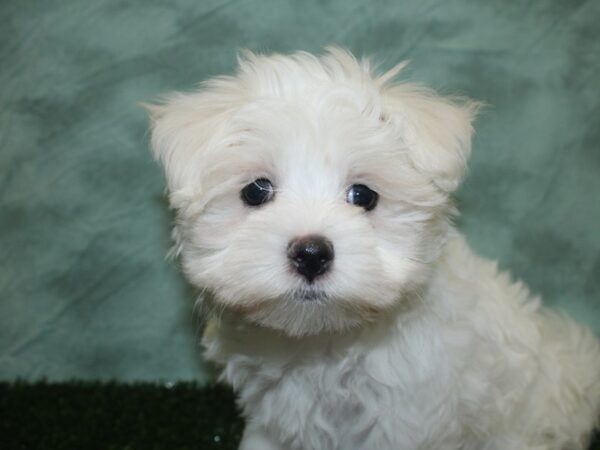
x=346, y=409
x=302, y=410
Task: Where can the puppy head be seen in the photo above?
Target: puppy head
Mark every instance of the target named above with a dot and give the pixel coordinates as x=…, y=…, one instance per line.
x=311, y=195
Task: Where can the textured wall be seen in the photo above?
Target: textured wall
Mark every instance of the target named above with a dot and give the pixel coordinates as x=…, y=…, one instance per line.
x=85, y=290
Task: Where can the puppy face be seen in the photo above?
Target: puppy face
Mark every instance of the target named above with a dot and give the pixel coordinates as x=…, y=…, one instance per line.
x=311, y=195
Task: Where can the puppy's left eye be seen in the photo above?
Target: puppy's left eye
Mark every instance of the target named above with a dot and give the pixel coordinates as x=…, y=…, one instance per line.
x=361, y=195
x=258, y=192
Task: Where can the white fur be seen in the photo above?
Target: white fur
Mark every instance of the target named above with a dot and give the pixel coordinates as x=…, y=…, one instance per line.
x=418, y=344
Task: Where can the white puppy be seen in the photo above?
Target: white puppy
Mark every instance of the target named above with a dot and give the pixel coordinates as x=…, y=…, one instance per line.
x=313, y=203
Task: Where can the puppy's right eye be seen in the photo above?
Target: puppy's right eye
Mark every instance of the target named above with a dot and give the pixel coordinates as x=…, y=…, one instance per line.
x=258, y=192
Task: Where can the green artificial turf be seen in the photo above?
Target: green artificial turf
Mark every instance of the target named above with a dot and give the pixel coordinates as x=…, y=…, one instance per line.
x=113, y=416
x=116, y=416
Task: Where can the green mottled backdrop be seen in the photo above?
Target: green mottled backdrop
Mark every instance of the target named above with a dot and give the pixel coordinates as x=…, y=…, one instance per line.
x=85, y=290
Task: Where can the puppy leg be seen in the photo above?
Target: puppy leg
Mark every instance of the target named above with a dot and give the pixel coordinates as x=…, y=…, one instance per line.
x=256, y=439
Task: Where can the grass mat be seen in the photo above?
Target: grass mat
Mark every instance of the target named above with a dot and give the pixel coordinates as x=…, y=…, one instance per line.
x=116, y=416
x=113, y=416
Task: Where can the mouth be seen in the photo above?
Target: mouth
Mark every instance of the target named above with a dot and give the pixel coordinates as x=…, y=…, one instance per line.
x=309, y=295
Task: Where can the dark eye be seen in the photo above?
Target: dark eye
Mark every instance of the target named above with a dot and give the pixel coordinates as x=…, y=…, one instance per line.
x=258, y=192
x=361, y=195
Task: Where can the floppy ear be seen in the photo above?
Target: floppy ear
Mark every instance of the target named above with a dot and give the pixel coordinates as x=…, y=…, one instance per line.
x=436, y=130
x=184, y=127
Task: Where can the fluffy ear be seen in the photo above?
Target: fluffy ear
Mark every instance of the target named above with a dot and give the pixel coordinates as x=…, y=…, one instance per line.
x=184, y=128
x=436, y=130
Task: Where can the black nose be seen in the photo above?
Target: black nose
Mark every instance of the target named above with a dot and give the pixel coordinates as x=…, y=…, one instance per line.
x=311, y=255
